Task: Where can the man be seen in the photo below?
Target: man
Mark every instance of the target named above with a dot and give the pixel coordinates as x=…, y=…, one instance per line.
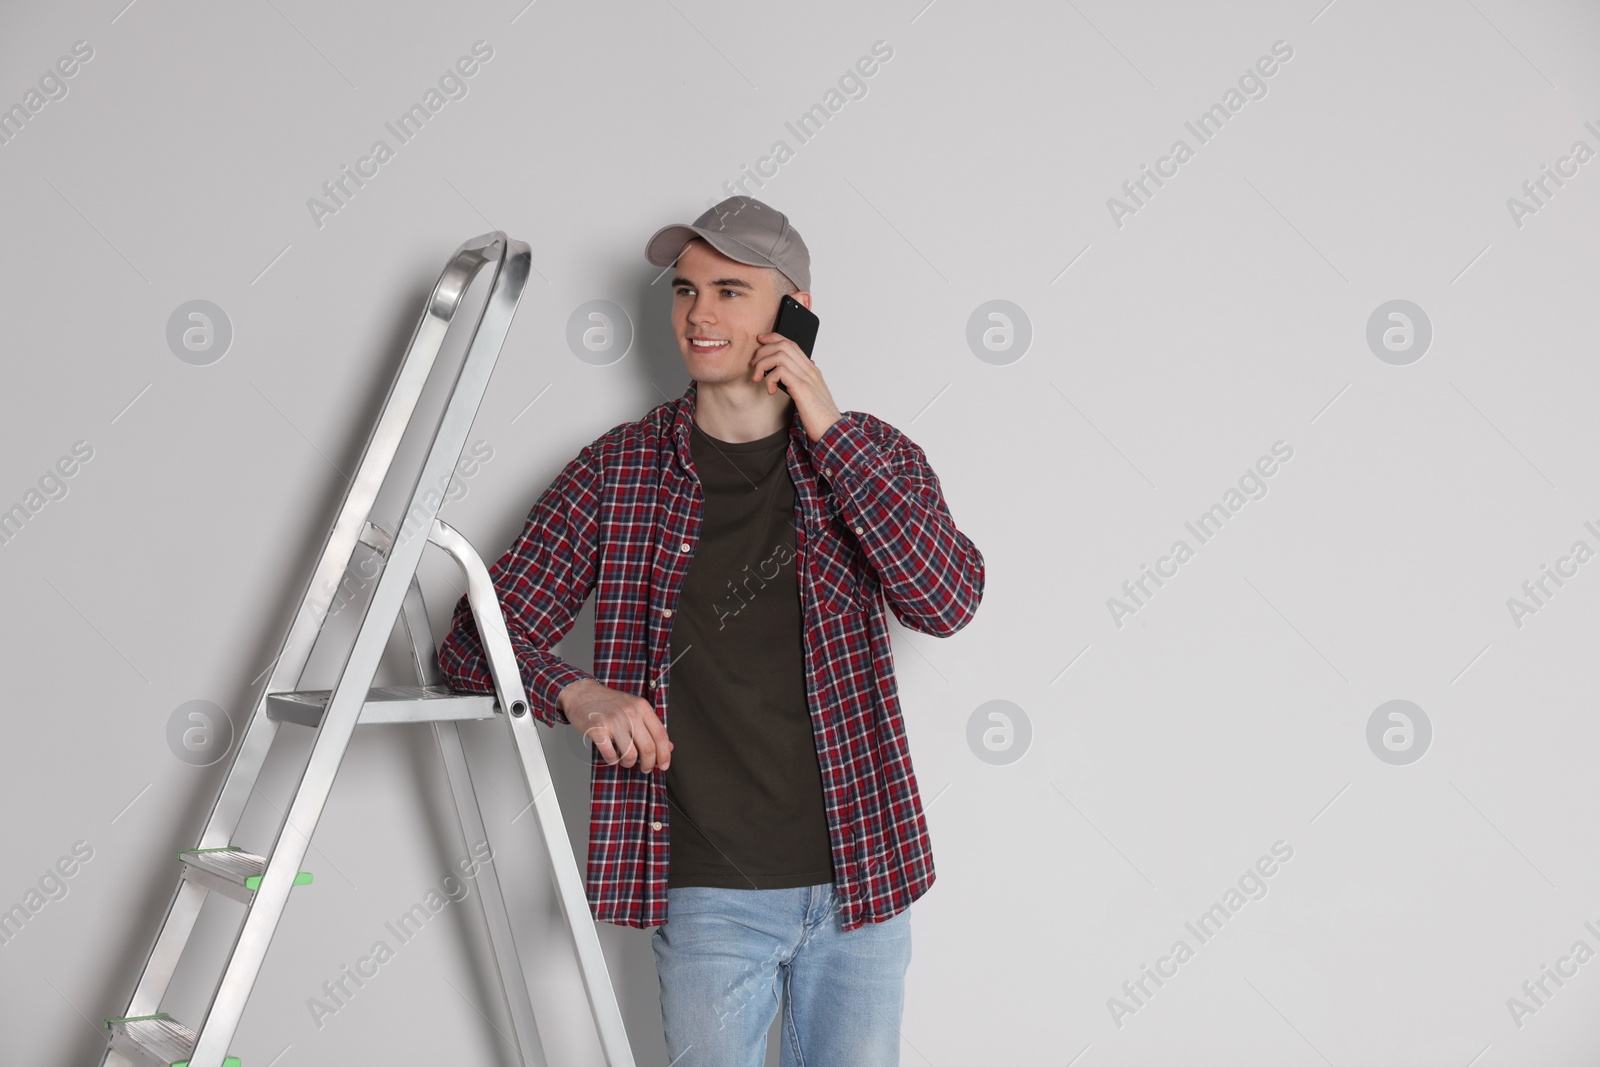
x=744, y=541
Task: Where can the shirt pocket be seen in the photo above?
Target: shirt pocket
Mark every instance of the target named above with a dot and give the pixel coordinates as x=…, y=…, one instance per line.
x=837, y=567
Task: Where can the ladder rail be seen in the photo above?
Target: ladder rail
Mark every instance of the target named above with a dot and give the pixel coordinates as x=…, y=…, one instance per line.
x=491, y=896
x=148, y=1037
x=570, y=890
x=377, y=456
x=422, y=354
x=511, y=261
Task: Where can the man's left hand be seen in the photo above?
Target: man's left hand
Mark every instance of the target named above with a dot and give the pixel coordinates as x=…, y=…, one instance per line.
x=781, y=360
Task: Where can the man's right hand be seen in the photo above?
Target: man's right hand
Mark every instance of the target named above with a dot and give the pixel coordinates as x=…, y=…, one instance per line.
x=622, y=726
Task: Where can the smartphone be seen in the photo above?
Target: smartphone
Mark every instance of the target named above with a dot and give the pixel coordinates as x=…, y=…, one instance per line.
x=797, y=323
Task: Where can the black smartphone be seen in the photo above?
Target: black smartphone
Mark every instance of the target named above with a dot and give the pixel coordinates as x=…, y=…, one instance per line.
x=798, y=324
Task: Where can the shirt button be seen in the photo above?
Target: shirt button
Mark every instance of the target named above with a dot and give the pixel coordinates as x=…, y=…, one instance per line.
x=858, y=529
x=667, y=612
x=684, y=547
x=652, y=683
x=828, y=471
x=656, y=825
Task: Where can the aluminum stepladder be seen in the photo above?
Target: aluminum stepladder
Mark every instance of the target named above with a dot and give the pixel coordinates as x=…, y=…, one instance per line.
x=146, y=1037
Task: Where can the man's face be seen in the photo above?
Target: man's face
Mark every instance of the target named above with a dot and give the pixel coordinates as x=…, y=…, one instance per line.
x=725, y=305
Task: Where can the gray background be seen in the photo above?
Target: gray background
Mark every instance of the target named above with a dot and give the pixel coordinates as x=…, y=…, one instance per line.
x=1142, y=768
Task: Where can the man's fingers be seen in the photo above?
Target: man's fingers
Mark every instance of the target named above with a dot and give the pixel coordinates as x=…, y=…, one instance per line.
x=609, y=748
x=658, y=738
x=775, y=348
x=627, y=732
x=763, y=368
x=600, y=738
x=609, y=753
x=651, y=735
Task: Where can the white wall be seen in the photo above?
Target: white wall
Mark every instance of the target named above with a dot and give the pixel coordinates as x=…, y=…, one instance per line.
x=1144, y=763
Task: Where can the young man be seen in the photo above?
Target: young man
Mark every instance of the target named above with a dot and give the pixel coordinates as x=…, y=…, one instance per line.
x=744, y=542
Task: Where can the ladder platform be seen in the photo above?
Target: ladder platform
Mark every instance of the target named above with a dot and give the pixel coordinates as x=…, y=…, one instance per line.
x=387, y=704
x=156, y=1040
x=233, y=872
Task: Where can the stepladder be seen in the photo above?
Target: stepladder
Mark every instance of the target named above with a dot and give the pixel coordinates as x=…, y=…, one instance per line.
x=388, y=517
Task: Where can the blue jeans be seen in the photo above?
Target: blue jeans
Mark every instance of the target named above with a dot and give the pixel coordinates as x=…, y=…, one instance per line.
x=724, y=955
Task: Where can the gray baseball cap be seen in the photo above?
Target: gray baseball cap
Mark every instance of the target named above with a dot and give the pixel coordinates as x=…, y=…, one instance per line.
x=743, y=229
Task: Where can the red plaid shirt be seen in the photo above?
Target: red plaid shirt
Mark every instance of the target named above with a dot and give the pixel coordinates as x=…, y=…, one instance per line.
x=872, y=528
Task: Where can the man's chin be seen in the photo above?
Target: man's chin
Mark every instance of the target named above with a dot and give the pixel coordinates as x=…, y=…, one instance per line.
x=720, y=371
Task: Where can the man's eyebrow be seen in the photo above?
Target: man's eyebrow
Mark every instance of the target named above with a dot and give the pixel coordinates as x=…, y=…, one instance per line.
x=720, y=283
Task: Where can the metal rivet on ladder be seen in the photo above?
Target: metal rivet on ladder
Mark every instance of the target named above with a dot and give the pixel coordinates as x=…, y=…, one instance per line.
x=518, y=709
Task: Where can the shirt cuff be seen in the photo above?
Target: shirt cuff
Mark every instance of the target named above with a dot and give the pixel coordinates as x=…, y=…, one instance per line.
x=845, y=452
x=544, y=686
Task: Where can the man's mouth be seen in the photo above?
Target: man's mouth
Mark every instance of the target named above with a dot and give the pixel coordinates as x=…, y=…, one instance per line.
x=706, y=344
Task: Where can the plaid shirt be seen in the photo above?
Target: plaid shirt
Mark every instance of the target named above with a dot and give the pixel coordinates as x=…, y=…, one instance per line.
x=872, y=528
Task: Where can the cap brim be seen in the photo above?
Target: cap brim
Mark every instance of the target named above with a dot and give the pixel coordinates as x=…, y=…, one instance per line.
x=666, y=245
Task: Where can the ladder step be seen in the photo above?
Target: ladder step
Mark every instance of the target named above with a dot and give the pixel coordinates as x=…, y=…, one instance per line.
x=387, y=704
x=232, y=872
x=156, y=1040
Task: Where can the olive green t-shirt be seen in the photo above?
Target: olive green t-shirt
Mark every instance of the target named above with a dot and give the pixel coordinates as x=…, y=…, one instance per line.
x=745, y=784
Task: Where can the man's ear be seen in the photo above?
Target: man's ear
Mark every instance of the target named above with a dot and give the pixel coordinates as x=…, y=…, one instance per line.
x=804, y=298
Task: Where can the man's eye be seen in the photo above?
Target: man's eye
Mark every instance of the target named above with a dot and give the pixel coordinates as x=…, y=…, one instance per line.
x=735, y=292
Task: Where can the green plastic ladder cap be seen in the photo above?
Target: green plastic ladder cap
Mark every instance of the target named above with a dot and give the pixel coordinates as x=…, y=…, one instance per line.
x=253, y=882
